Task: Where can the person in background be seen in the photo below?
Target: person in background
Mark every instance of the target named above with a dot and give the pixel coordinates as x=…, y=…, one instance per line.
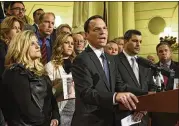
x=17, y=8
x=36, y=15
x=137, y=79
x=120, y=42
x=84, y=36
x=27, y=95
x=10, y=26
x=111, y=48
x=59, y=67
x=79, y=43
x=46, y=26
x=63, y=28
x=151, y=58
x=164, y=53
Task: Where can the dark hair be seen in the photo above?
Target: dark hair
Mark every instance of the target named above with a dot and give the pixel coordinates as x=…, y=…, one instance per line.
x=6, y=6
x=40, y=9
x=128, y=34
x=14, y=2
x=86, y=25
x=162, y=43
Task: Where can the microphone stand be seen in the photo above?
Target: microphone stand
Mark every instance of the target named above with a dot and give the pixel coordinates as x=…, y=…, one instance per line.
x=159, y=81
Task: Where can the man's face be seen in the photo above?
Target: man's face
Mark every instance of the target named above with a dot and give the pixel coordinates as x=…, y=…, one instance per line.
x=97, y=33
x=164, y=53
x=132, y=46
x=79, y=42
x=46, y=26
x=111, y=48
x=120, y=45
x=37, y=15
x=18, y=10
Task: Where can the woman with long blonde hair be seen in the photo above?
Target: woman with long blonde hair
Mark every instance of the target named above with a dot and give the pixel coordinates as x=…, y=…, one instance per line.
x=27, y=92
x=58, y=69
x=9, y=27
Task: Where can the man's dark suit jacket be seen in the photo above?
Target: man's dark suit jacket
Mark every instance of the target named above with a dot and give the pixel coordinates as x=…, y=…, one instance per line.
x=94, y=97
x=167, y=119
x=131, y=84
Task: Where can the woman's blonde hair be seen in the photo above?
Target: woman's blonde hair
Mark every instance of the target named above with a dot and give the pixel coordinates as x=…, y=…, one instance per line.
x=7, y=25
x=18, y=52
x=58, y=50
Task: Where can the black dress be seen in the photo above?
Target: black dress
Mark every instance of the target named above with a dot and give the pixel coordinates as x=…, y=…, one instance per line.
x=27, y=98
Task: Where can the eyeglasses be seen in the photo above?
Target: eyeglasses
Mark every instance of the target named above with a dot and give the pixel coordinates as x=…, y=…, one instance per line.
x=80, y=41
x=19, y=9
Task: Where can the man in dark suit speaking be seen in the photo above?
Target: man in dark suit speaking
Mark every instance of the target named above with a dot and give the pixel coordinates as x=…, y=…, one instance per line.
x=95, y=77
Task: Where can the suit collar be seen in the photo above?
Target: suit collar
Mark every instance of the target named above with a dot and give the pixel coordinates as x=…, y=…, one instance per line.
x=128, y=68
x=98, y=66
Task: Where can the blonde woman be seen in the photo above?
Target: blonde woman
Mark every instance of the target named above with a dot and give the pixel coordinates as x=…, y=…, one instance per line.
x=9, y=27
x=27, y=94
x=58, y=68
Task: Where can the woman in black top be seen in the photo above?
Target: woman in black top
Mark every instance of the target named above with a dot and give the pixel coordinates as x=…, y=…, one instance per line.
x=27, y=93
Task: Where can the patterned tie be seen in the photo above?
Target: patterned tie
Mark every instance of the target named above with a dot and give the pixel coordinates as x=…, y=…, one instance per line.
x=165, y=77
x=135, y=68
x=44, y=51
x=105, y=66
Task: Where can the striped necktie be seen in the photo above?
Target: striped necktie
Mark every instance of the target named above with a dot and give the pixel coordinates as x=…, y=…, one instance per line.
x=135, y=68
x=165, y=77
x=105, y=67
x=44, y=51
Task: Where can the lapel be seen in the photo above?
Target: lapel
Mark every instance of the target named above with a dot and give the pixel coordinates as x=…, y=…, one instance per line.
x=128, y=68
x=98, y=66
x=141, y=75
x=111, y=65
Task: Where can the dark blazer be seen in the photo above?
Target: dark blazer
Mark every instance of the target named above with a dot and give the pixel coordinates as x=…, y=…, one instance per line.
x=167, y=119
x=3, y=52
x=94, y=96
x=27, y=98
x=131, y=84
x=36, y=27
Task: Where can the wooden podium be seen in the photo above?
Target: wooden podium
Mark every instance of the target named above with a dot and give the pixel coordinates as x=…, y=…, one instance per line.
x=159, y=102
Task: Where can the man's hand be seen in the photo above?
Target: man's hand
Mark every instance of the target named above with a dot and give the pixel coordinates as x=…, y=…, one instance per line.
x=127, y=99
x=54, y=122
x=137, y=116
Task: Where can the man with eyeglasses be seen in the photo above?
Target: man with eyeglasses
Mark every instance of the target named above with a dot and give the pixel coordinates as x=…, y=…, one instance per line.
x=17, y=8
x=79, y=43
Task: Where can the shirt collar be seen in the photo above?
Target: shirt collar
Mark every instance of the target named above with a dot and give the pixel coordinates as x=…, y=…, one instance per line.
x=98, y=52
x=128, y=56
x=168, y=63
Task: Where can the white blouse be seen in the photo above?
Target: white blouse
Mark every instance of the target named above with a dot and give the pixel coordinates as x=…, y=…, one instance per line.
x=56, y=74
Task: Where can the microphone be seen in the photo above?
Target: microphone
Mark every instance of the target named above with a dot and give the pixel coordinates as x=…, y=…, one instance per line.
x=148, y=64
